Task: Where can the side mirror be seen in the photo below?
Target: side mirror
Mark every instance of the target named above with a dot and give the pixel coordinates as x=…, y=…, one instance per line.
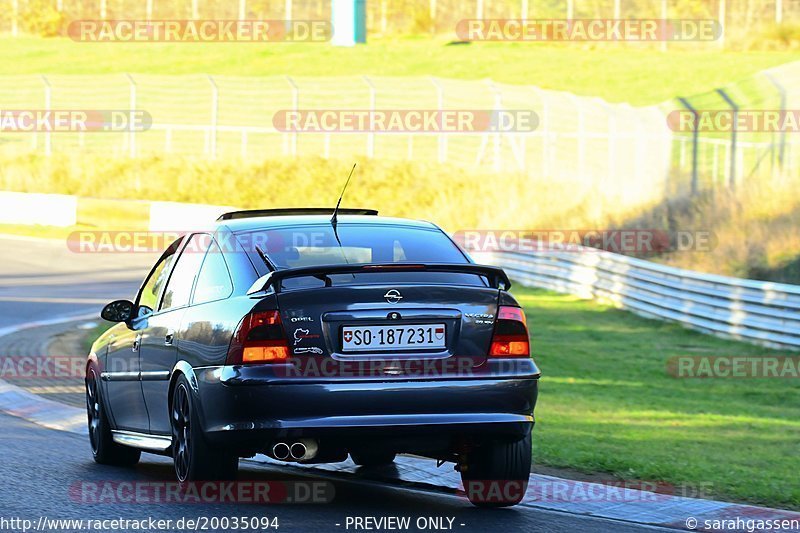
x=117, y=311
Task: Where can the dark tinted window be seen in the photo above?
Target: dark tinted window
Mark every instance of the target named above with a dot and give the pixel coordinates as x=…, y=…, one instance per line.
x=316, y=244
x=360, y=243
x=179, y=287
x=214, y=281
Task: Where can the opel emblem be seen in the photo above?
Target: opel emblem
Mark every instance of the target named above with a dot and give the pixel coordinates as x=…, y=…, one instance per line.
x=393, y=296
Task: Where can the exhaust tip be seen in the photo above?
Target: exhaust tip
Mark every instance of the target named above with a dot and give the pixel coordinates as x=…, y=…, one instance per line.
x=298, y=451
x=281, y=451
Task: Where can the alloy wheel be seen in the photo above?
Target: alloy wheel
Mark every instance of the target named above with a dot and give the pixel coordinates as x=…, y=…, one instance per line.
x=181, y=432
x=93, y=410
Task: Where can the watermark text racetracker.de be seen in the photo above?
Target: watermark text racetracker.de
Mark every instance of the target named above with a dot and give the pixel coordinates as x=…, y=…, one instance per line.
x=405, y=120
x=74, y=120
x=610, y=491
x=198, y=31
x=201, y=492
x=624, y=241
x=583, y=30
x=136, y=241
x=734, y=367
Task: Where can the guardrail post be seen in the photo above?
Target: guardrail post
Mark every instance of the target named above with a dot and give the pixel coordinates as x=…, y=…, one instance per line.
x=617, y=9
x=581, y=135
x=295, y=107
x=132, y=106
x=782, y=91
x=195, y=10
x=48, y=147
x=695, y=141
x=287, y=9
x=103, y=9
x=14, y=18
x=612, y=140
x=440, y=106
x=721, y=16
x=497, y=162
x=242, y=9
x=214, y=117
x=735, y=109
x=641, y=143
x=149, y=10
x=544, y=127
x=370, y=134
x=664, y=17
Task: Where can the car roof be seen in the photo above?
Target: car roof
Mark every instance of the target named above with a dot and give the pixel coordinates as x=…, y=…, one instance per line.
x=275, y=222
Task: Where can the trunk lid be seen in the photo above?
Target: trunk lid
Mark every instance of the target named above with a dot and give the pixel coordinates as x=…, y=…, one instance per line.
x=328, y=328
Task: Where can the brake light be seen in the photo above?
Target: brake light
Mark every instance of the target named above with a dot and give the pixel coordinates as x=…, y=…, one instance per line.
x=259, y=338
x=510, y=338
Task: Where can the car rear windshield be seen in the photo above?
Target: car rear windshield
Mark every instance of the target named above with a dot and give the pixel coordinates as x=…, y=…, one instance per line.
x=315, y=245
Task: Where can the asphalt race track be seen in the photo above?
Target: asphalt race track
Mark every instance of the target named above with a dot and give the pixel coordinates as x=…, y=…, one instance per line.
x=41, y=468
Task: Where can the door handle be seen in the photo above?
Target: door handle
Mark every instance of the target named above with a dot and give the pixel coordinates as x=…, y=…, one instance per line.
x=169, y=337
x=137, y=342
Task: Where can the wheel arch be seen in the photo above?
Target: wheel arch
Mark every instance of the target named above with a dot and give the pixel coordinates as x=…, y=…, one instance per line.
x=93, y=363
x=182, y=368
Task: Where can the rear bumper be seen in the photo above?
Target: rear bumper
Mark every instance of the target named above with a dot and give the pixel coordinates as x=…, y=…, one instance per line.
x=247, y=407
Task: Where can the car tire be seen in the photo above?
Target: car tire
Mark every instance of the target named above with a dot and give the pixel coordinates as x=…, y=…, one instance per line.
x=104, y=450
x=496, y=474
x=194, y=458
x=363, y=458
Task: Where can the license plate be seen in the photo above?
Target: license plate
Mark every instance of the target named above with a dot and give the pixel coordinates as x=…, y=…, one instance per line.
x=392, y=338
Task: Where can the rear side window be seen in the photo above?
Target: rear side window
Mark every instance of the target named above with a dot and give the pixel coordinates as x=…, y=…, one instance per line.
x=214, y=281
x=179, y=286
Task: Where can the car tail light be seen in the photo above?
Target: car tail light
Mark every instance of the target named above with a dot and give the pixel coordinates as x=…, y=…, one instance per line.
x=510, y=337
x=259, y=338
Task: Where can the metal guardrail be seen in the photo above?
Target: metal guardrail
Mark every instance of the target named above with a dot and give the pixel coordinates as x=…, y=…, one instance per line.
x=755, y=311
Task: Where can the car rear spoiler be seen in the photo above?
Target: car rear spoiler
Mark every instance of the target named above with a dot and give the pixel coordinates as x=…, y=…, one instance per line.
x=496, y=276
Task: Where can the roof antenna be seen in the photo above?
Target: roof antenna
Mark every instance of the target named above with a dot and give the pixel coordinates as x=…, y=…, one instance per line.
x=334, y=220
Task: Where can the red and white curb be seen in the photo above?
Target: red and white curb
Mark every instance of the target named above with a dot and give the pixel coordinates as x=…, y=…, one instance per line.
x=544, y=492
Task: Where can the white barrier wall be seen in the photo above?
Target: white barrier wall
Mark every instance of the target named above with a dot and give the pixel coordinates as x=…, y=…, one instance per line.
x=174, y=216
x=756, y=311
x=42, y=209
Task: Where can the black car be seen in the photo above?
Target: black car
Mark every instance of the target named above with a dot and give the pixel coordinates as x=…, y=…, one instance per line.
x=308, y=338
